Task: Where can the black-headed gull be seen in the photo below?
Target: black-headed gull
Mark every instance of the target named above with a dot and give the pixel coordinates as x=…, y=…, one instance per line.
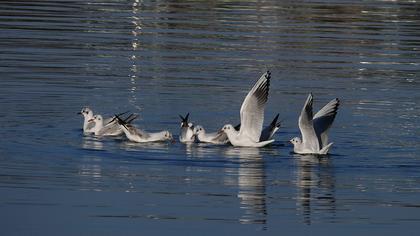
x=252, y=116
x=219, y=137
x=314, y=129
x=187, y=130
x=140, y=136
x=88, y=115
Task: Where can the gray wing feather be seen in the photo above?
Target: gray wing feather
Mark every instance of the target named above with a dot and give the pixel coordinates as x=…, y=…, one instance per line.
x=252, y=109
x=136, y=131
x=90, y=125
x=323, y=120
x=220, y=137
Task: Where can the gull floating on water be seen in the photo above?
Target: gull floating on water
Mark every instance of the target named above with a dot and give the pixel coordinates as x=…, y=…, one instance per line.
x=187, y=130
x=111, y=128
x=252, y=116
x=214, y=138
x=88, y=115
x=140, y=136
x=314, y=129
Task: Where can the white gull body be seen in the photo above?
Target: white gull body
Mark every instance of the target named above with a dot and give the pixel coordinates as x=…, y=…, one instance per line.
x=314, y=129
x=252, y=116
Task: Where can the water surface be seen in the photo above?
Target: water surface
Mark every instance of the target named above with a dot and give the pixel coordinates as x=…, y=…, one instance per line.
x=164, y=58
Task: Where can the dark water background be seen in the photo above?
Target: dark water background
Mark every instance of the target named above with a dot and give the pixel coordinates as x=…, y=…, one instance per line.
x=164, y=58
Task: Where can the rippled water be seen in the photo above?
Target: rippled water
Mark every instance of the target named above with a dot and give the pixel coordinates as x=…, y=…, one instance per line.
x=165, y=58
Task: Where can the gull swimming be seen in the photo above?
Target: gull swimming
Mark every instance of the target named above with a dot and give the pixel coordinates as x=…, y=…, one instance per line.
x=219, y=137
x=314, y=129
x=252, y=116
x=111, y=128
x=187, y=130
x=140, y=136
x=88, y=115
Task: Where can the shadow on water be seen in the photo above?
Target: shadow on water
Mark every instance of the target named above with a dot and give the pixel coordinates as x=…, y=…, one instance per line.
x=315, y=183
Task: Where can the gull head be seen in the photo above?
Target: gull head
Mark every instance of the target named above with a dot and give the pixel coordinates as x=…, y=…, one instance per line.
x=97, y=119
x=167, y=135
x=228, y=129
x=86, y=112
x=296, y=141
x=199, y=130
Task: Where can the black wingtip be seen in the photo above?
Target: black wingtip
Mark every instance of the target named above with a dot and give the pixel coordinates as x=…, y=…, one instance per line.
x=237, y=127
x=274, y=122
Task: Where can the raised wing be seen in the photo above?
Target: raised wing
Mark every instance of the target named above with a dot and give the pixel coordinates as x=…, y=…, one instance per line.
x=323, y=120
x=252, y=109
x=309, y=138
x=269, y=131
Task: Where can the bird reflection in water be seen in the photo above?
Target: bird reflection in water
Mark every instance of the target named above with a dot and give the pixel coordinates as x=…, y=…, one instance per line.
x=93, y=143
x=251, y=184
x=315, y=186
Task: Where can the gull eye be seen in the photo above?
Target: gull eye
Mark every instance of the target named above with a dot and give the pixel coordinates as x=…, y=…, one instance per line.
x=201, y=129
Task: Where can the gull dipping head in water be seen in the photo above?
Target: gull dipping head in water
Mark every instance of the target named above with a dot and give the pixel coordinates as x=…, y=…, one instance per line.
x=187, y=130
x=314, y=129
x=88, y=115
x=252, y=116
x=140, y=136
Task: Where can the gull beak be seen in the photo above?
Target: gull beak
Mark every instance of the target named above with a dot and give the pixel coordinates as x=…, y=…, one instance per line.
x=90, y=120
x=79, y=113
x=220, y=131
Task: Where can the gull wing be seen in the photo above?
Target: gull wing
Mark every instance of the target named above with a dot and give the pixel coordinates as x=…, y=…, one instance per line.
x=220, y=137
x=110, y=128
x=309, y=138
x=269, y=131
x=252, y=109
x=323, y=120
x=90, y=125
x=136, y=131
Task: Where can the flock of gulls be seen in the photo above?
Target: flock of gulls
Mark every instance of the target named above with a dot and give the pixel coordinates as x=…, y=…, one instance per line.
x=249, y=133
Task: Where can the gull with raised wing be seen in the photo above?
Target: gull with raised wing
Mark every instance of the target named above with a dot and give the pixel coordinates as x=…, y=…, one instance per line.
x=252, y=116
x=140, y=136
x=314, y=129
x=111, y=128
x=187, y=130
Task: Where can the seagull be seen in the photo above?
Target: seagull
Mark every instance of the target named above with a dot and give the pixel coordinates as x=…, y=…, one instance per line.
x=252, y=116
x=111, y=128
x=140, y=136
x=314, y=129
x=214, y=138
x=88, y=115
x=187, y=130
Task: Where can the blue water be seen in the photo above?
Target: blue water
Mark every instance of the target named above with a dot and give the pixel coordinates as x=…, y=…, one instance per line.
x=164, y=58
